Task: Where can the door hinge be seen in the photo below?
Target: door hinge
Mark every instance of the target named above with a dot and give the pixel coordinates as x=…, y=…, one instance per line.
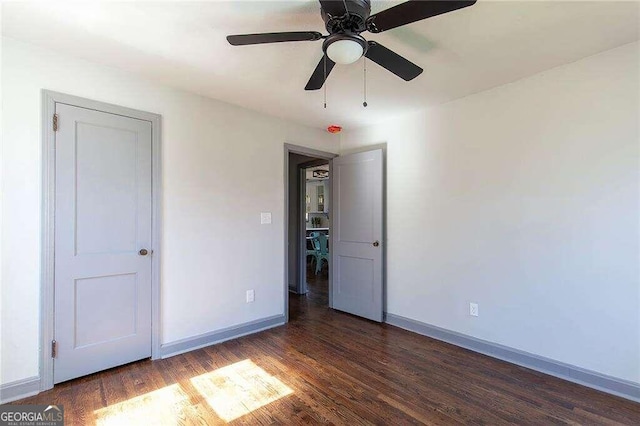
x=54, y=349
x=55, y=122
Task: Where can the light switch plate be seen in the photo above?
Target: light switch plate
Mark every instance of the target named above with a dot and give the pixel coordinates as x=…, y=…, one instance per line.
x=265, y=218
x=473, y=309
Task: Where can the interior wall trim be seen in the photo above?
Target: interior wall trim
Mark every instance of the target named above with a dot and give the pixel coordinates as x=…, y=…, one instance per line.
x=19, y=389
x=572, y=373
x=207, y=339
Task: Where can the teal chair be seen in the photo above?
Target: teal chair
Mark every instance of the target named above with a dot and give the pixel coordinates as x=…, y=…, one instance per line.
x=312, y=252
x=320, y=244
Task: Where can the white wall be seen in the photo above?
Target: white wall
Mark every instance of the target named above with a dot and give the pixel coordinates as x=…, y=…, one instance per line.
x=525, y=199
x=222, y=166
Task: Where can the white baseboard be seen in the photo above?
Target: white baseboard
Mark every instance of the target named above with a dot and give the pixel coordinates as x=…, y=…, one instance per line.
x=572, y=373
x=196, y=342
x=19, y=389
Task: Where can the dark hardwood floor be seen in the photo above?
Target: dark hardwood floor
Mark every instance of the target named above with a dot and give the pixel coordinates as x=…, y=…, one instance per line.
x=328, y=367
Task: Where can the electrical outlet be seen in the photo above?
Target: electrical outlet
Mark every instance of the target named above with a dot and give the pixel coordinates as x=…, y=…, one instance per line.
x=265, y=218
x=251, y=296
x=473, y=309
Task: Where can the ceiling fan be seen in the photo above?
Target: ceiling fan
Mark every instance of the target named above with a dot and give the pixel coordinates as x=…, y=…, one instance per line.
x=345, y=20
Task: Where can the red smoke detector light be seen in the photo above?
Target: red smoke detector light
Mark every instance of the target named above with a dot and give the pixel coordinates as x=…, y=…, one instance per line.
x=334, y=129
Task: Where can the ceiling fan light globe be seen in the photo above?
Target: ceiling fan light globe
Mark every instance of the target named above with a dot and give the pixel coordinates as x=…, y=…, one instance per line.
x=345, y=51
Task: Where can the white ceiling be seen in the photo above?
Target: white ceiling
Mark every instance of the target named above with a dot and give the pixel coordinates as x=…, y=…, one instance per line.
x=183, y=44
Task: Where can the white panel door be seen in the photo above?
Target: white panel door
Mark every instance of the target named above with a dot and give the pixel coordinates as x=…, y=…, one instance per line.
x=357, y=261
x=102, y=221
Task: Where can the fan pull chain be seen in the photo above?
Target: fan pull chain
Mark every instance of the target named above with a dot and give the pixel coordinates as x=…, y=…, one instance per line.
x=364, y=104
x=344, y=2
x=324, y=86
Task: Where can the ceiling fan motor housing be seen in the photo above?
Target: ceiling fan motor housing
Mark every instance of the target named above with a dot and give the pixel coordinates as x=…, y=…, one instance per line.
x=354, y=21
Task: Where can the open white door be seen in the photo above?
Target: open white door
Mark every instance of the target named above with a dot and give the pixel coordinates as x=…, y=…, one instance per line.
x=357, y=261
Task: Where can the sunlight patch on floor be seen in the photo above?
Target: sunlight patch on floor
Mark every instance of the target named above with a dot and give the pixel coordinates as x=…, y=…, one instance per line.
x=239, y=388
x=161, y=407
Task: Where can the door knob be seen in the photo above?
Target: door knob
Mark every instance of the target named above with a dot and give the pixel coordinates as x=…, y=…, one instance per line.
x=143, y=252
x=376, y=243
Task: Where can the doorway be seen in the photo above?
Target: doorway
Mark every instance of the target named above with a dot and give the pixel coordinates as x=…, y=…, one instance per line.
x=308, y=208
x=355, y=224
x=316, y=265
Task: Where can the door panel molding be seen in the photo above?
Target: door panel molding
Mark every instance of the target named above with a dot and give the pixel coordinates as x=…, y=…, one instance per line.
x=49, y=101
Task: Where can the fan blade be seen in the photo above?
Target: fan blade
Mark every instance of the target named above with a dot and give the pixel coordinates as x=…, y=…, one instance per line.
x=412, y=11
x=319, y=76
x=245, y=39
x=393, y=62
x=333, y=7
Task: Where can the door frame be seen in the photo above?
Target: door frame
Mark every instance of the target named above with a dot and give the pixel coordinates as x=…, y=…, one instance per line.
x=47, y=285
x=314, y=153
